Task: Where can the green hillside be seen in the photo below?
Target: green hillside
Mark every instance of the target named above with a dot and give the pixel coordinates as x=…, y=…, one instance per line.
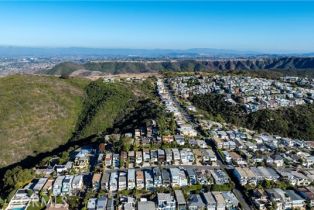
x=37, y=114
x=116, y=67
x=285, y=66
x=295, y=122
x=104, y=102
x=64, y=68
x=40, y=113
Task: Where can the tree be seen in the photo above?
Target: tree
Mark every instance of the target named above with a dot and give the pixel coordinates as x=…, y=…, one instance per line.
x=64, y=157
x=1, y=202
x=44, y=162
x=219, y=118
x=73, y=201
x=126, y=143
x=17, y=178
x=295, y=122
x=268, y=184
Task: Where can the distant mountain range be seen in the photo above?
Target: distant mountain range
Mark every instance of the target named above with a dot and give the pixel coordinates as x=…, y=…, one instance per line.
x=8, y=51
x=116, y=67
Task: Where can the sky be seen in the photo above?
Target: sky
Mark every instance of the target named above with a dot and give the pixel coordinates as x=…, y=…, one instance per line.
x=264, y=26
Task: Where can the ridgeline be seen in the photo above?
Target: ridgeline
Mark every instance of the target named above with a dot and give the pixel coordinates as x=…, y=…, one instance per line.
x=286, y=65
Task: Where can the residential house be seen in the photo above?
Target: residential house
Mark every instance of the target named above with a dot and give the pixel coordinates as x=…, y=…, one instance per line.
x=169, y=156
x=137, y=133
x=105, y=181
x=131, y=155
x=165, y=201
x=157, y=177
x=113, y=181
x=278, y=161
x=277, y=196
x=131, y=179
x=116, y=160
x=183, y=178
x=308, y=161
x=167, y=139
x=295, y=178
x=220, y=176
x=308, y=194
x=48, y=186
x=176, y=156
x=149, y=180
x=154, y=156
x=187, y=130
x=57, y=186
x=218, y=142
x=209, y=200
x=108, y=159
x=102, y=203
x=96, y=181
x=227, y=157
x=81, y=161
x=77, y=184
x=140, y=182
x=263, y=173
x=202, y=144
x=39, y=185
x=297, y=202
x=146, y=205
x=122, y=180
x=146, y=156
x=20, y=200
x=139, y=158
x=192, y=176
x=100, y=159
x=193, y=143
x=110, y=204
x=128, y=203
x=161, y=156
x=179, y=140
x=195, y=202
x=175, y=179
x=201, y=175
x=187, y=156
x=230, y=200
x=220, y=201
x=91, y=205
x=180, y=200
x=67, y=185
x=166, y=180
x=237, y=159
x=260, y=200
x=149, y=131
x=211, y=155
x=244, y=176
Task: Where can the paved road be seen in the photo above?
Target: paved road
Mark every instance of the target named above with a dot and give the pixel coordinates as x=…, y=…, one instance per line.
x=184, y=113
x=241, y=199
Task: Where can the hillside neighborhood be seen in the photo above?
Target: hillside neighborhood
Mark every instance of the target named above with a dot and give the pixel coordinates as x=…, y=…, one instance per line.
x=203, y=165
x=157, y=105
x=252, y=93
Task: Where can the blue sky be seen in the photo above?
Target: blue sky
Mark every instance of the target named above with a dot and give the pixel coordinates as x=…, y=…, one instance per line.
x=248, y=25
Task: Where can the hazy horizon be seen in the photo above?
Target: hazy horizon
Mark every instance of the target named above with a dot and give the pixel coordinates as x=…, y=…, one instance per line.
x=264, y=27
x=160, y=49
